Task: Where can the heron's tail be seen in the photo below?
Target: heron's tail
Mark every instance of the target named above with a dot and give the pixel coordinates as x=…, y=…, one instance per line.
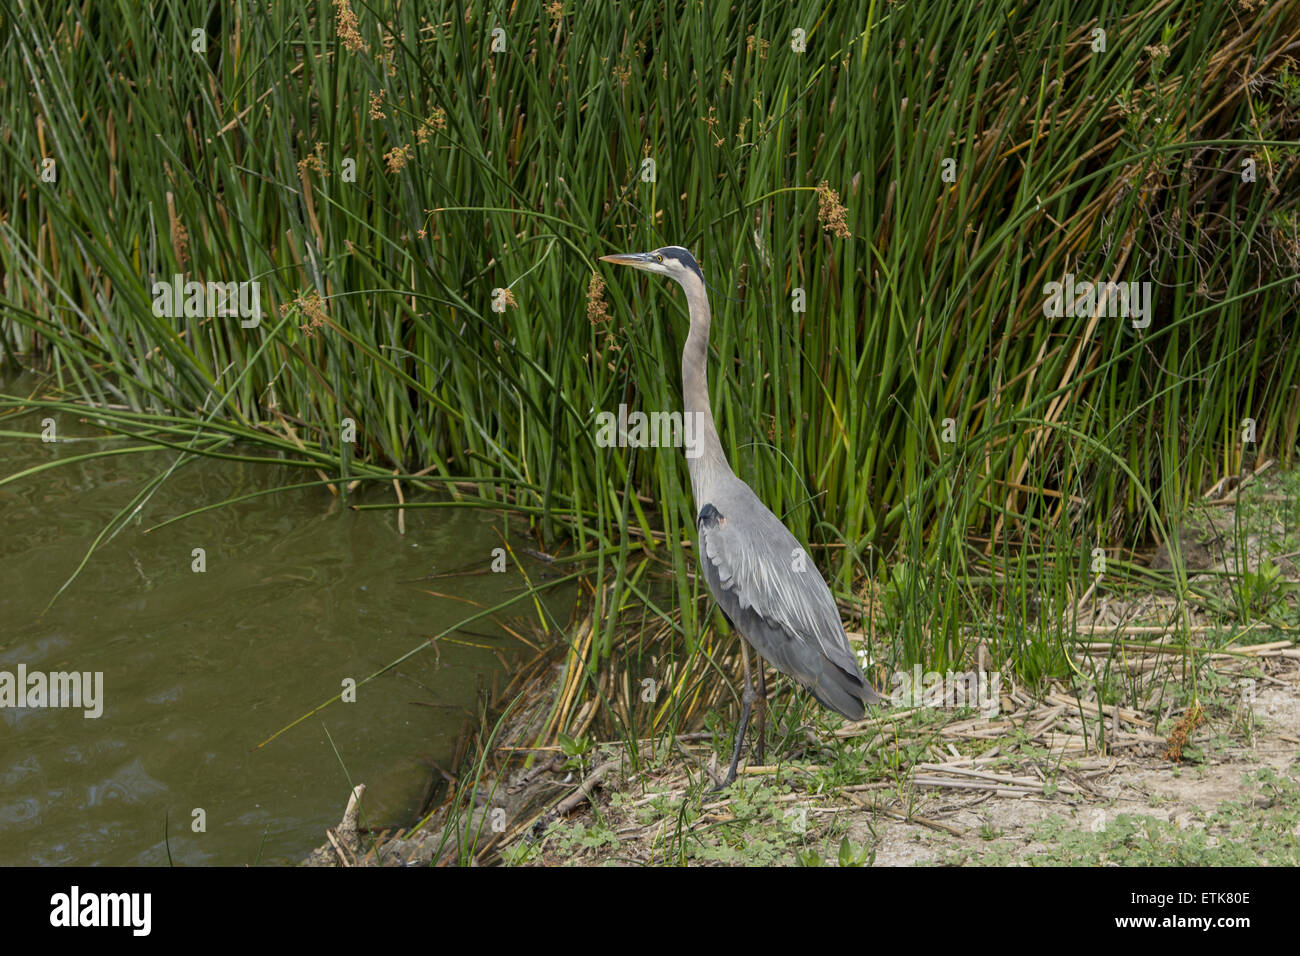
x=845, y=692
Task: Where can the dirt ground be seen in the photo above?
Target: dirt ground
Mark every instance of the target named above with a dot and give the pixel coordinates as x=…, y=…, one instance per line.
x=1176, y=798
x=1233, y=799
x=1238, y=803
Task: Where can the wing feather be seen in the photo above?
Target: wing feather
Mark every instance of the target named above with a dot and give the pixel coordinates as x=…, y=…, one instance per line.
x=749, y=560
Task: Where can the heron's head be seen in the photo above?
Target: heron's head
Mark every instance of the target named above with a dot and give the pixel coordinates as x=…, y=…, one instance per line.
x=672, y=261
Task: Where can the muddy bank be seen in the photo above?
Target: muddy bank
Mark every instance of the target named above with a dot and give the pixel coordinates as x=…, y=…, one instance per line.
x=1015, y=791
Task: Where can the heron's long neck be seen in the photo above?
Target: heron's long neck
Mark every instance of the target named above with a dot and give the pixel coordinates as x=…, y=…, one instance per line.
x=710, y=463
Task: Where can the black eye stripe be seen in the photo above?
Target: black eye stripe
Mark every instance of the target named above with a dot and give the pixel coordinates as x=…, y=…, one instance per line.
x=679, y=255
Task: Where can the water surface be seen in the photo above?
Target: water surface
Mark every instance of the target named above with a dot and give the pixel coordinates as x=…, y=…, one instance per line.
x=299, y=593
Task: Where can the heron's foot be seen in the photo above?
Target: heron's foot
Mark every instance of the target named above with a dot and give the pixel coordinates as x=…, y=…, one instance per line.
x=731, y=771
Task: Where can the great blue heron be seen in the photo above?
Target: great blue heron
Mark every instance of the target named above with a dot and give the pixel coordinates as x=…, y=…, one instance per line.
x=768, y=590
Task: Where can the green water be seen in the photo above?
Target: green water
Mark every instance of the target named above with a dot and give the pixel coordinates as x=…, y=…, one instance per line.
x=299, y=593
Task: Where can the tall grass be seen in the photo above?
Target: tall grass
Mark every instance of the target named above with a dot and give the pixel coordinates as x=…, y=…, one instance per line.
x=921, y=416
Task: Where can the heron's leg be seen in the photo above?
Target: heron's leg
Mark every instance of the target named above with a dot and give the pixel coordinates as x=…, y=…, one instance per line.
x=746, y=702
x=761, y=703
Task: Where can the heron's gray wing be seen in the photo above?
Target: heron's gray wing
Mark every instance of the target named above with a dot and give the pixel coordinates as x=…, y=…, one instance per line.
x=752, y=565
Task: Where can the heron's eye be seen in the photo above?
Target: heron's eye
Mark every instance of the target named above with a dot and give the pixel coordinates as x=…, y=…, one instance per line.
x=660, y=258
